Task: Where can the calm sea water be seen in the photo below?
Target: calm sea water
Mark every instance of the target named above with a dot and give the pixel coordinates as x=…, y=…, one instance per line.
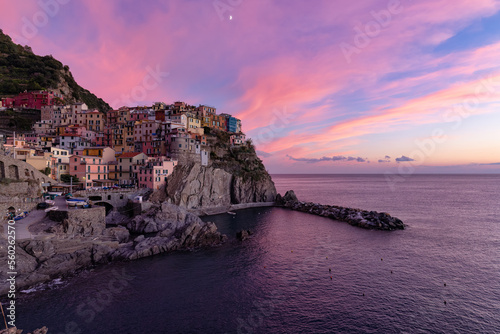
x=279, y=281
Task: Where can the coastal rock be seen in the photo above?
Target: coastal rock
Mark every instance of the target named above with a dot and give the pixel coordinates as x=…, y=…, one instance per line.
x=248, y=190
x=196, y=186
x=14, y=330
x=162, y=228
x=165, y=218
x=243, y=235
x=355, y=217
x=25, y=263
x=88, y=222
x=118, y=233
x=39, y=249
x=174, y=229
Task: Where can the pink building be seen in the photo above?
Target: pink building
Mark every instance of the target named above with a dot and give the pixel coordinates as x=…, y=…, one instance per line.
x=32, y=138
x=146, y=130
x=237, y=139
x=139, y=115
x=77, y=167
x=92, y=171
x=155, y=172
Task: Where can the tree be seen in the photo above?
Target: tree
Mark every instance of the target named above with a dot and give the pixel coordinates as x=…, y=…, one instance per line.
x=33, y=85
x=66, y=178
x=46, y=171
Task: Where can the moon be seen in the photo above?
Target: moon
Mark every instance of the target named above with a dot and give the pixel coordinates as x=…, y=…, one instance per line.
x=230, y=17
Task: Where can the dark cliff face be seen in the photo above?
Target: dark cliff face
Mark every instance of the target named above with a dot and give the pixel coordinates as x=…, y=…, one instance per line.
x=195, y=186
x=235, y=175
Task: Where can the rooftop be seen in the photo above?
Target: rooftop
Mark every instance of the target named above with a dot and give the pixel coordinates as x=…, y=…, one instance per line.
x=128, y=154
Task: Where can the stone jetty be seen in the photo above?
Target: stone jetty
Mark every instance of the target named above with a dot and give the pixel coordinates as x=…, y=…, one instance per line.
x=356, y=217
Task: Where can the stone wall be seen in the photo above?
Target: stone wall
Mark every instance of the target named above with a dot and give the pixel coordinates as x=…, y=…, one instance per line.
x=15, y=169
x=20, y=185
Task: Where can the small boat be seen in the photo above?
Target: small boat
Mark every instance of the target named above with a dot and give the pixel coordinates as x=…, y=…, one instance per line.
x=71, y=203
x=231, y=213
x=50, y=202
x=75, y=200
x=21, y=215
x=81, y=204
x=52, y=208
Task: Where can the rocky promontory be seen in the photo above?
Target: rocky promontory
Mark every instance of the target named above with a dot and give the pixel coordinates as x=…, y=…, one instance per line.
x=234, y=175
x=73, y=244
x=195, y=186
x=355, y=217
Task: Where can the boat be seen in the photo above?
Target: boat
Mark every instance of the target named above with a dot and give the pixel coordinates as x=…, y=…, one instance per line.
x=81, y=204
x=231, y=213
x=50, y=202
x=71, y=203
x=21, y=215
x=75, y=200
x=52, y=208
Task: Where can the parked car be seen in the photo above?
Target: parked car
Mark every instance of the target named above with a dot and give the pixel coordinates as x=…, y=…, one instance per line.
x=42, y=206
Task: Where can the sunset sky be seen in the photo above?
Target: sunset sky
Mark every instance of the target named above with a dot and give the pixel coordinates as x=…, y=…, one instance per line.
x=320, y=86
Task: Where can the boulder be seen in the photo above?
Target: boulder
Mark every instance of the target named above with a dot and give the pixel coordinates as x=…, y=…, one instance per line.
x=119, y=233
x=243, y=235
x=14, y=330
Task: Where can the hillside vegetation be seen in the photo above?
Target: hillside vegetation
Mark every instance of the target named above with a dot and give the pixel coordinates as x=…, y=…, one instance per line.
x=236, y=160
x=21, y=69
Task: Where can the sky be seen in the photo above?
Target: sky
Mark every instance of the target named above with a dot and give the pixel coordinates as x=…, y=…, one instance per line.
x=396, y=87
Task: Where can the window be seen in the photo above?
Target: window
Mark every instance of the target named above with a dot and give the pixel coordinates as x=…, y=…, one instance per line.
x=75, y=167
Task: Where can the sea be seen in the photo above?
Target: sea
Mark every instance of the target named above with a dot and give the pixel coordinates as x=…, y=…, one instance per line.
x=300, y=273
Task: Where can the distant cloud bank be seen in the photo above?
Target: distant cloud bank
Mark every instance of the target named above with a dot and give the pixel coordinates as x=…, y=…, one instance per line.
x=334, y=158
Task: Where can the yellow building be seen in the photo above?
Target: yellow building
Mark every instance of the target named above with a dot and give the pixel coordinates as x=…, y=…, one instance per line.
x=126, y=166
x=95, y=121
x=193, y=121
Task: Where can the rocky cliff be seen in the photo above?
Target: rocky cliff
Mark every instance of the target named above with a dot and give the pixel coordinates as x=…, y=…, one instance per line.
x=194, y=186
x=235, y=175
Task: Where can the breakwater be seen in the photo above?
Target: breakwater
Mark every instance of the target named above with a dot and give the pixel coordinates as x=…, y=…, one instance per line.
x=355, y=217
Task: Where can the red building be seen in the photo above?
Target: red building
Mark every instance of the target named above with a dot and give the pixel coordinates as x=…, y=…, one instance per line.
x=31, y=100
x=7, y=102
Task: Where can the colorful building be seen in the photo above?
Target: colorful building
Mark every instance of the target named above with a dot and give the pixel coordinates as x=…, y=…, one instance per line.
x=126, y=167
x=32, y=100
x=154, y=173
